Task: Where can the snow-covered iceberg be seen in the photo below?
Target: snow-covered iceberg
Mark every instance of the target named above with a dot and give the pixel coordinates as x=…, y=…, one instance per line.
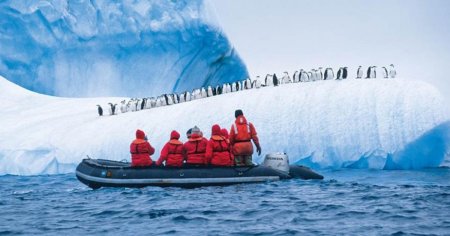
x=114, y=48
x=380, y=123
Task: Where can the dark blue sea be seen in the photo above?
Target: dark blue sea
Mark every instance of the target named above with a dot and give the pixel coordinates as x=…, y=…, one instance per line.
x=347, y=202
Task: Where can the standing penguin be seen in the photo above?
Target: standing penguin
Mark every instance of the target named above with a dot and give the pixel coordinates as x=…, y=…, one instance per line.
x=392, y=71
x=359, y=73
x=112, y=109
x=286, y=78
x=123, y=106
x=329, y=74
x=296, y=77
x=371, y=72
x=268, y=80
x=385, y=72
x=344, y=72
x=320, y=74
x=99, y=110
x=275, y=80
x=339, y=73
x=209, y=92
x=143, y=103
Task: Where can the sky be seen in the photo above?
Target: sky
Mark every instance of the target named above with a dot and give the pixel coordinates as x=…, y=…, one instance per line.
x=287, y=35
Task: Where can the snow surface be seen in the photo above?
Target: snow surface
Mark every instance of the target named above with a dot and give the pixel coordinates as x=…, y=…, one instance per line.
x=114, y=48
x=380, y=123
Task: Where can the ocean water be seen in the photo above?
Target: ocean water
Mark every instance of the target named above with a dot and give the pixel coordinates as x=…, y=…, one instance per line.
x=346, y=202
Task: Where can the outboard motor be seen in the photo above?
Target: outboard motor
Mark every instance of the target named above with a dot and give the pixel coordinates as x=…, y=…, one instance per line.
x=277, y=161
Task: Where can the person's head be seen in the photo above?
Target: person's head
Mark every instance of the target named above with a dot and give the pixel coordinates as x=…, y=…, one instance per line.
x=238, y=113
x=140, y=134
x=189, y=133
x=174, y=135
x=196, y=130
x=224, y=133
x=215, y=130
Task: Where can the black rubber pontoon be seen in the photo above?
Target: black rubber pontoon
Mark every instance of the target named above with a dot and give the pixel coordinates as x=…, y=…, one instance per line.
x=97, y=173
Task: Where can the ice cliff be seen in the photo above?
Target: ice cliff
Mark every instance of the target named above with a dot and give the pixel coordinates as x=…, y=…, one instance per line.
x=129, y=48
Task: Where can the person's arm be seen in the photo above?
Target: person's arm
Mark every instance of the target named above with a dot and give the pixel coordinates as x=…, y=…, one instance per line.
x=255, y=138
x=209, y=152
x=151, y=150
x=231, y=135
x=163, y=155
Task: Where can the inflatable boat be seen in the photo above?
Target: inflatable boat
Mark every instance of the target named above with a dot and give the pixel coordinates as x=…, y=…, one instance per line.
x=97, y=173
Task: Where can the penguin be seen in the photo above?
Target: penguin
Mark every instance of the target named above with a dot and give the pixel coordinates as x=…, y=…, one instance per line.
x=371, y=72
x=143, y=103
x=152, y=103
x=344, y=72
x=359, y=73
x=169, y=99
x=214, y=91
x=312, y=75
x=176, y=98
x=99, y=110
x=327, y=74
x=374, y=72
x=203, y=93
x=320, y=74
x=209, y=92
x=233, y=87
x=392, y=71
x=296, y=77
x=339, y=73
x=219, y=90
x=138, y=104
x=268, y=80
x=182, y=97
x=275, y=80
x=385, y=72
x=302, y=77
x=286, y=78
x=309, y=77
x=248, y=84
x=188, y=96
x=238, y=86
x=123, y=106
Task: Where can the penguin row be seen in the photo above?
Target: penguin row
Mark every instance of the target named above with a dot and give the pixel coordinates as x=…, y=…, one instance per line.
x=137, y=104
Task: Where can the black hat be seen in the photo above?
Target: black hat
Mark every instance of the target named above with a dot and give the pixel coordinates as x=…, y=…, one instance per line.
x=238, y=113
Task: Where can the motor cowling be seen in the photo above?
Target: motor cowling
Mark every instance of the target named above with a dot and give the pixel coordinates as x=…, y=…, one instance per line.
x=278, y=161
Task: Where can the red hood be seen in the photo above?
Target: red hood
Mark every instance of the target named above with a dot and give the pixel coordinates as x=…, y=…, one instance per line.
x=215, y=130
x=174, y=135
x=140, y=134
x=241, y=120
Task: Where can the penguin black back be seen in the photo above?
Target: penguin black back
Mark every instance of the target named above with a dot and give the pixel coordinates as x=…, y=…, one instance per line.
x=100, y=110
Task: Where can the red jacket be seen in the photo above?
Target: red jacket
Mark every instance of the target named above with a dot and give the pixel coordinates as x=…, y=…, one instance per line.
x=217, y=150
x=241, y=135
x=195, y=149
x=172, y=152
x=141, y=150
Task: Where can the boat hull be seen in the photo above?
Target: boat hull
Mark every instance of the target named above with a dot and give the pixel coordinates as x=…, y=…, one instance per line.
x=105, y=173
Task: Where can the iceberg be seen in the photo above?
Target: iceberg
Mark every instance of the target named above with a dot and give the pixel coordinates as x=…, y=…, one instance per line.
x=97, y=48
x=377, y=123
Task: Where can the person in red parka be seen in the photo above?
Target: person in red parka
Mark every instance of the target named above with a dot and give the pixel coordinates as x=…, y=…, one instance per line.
x=241, y=135
x=218, y=149
x=195, y=148
x=172, y=152
x=141, y=150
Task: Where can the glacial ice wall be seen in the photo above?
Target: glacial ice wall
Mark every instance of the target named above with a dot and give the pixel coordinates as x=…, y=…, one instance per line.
x=114, y=48
x=381, y=124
